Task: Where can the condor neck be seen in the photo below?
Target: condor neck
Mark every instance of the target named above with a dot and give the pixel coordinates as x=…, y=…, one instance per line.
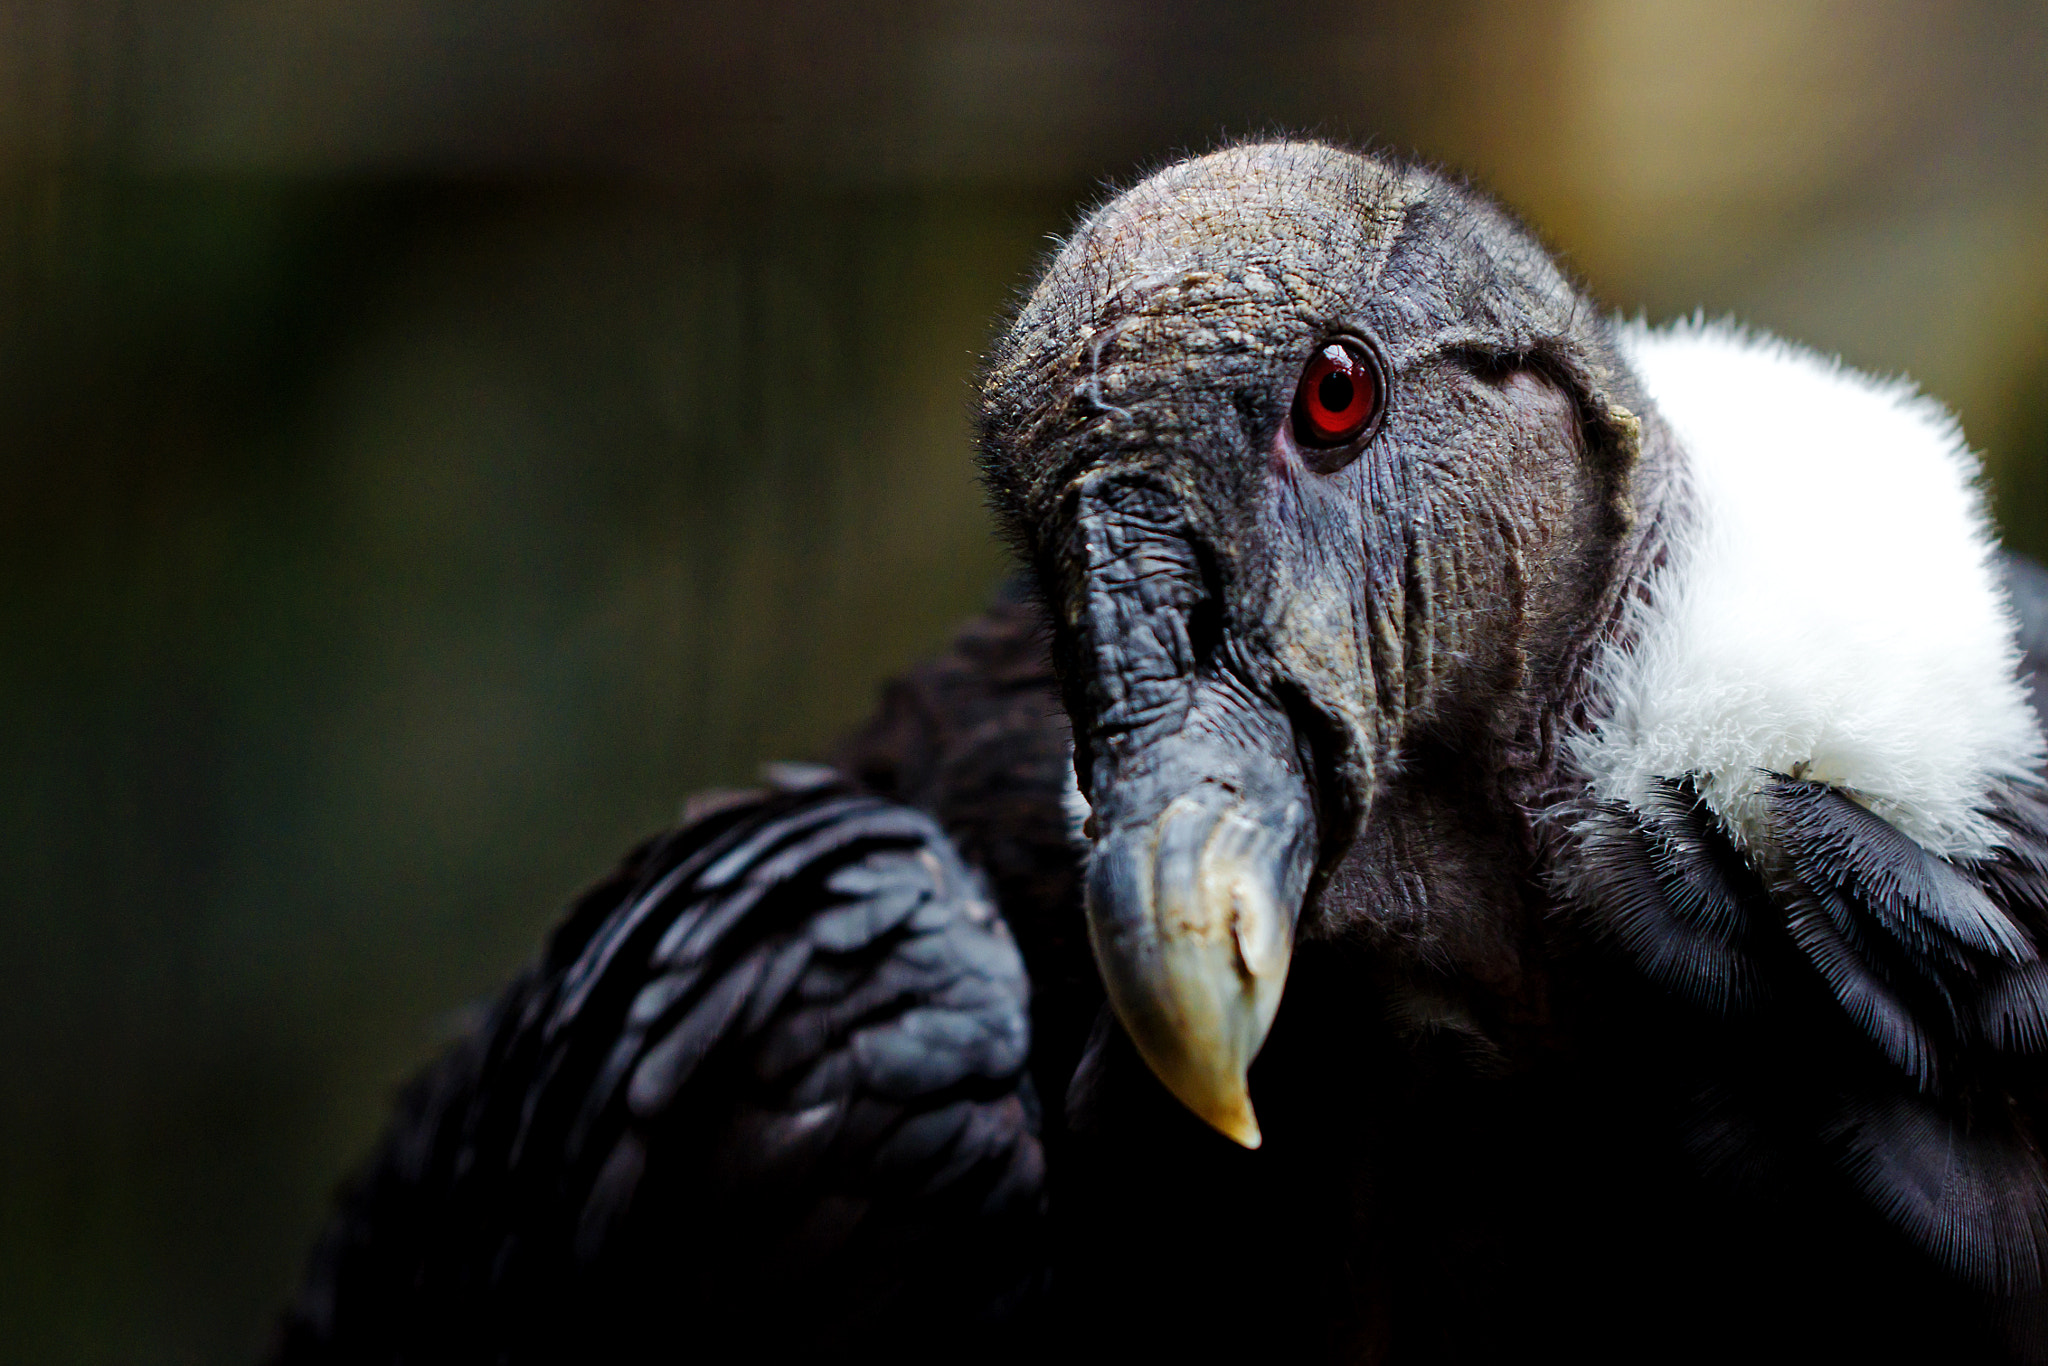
x=1444, y=885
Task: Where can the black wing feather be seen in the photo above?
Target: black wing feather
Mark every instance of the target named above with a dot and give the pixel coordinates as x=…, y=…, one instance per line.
x=1926, y=904
x=1975, y=1199
x=2013, y=1011
x=1865, y=1001
x=1824, y=928
x=768, y=1082
x=1672, y=893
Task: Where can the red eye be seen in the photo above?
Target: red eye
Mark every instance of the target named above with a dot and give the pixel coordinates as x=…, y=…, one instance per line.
x=1338, y=395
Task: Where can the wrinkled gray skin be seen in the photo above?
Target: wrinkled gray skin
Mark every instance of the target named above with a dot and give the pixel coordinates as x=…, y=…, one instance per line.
x=1316, y=693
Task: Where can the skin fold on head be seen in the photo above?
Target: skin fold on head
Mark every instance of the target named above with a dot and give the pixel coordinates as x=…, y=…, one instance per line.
x=1286, y=661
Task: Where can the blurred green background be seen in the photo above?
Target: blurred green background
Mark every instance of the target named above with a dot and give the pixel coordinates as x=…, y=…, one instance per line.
x=436, y=435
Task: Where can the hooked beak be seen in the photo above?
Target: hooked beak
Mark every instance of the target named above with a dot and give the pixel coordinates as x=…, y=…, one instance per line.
x=1200, y=865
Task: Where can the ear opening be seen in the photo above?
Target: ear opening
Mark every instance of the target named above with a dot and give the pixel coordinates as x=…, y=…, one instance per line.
x=1609, y=403
x=1609, y=400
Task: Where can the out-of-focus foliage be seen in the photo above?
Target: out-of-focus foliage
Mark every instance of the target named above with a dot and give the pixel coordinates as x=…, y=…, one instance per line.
x=435, y=436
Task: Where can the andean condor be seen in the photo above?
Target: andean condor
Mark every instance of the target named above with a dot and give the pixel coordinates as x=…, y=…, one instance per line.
x=1613, y=739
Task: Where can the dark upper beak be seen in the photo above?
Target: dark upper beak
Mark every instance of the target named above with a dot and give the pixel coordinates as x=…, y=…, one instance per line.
x=1206, y=826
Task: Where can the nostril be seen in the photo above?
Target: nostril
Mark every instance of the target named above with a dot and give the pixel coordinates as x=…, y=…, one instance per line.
x=1205, y=616
x=1205, y=631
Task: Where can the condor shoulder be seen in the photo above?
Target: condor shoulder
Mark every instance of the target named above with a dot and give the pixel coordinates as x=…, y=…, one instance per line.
x=1869, y=1006
x=767, y=1086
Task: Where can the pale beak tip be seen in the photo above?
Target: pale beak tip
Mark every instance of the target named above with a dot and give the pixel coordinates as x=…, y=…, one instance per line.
x=1234, y=1120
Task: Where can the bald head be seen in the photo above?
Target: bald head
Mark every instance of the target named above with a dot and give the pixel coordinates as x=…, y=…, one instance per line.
x=1222, y=268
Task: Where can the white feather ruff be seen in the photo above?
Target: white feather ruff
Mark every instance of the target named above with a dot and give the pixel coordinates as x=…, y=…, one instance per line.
x=1832, y=611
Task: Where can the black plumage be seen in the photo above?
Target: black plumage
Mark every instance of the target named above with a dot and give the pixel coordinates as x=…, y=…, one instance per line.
x=1677, y=898
x=769, y=1076
x=1931, y=1106
x=832, y=1066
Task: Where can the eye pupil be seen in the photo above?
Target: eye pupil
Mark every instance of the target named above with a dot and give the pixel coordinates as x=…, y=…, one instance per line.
x=1336, y=391
x=1338, y=397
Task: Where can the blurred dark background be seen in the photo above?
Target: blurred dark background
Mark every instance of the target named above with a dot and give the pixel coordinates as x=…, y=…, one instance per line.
x=436, y=435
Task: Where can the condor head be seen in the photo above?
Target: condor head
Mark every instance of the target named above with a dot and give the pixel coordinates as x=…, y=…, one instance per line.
x=1324, y=469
